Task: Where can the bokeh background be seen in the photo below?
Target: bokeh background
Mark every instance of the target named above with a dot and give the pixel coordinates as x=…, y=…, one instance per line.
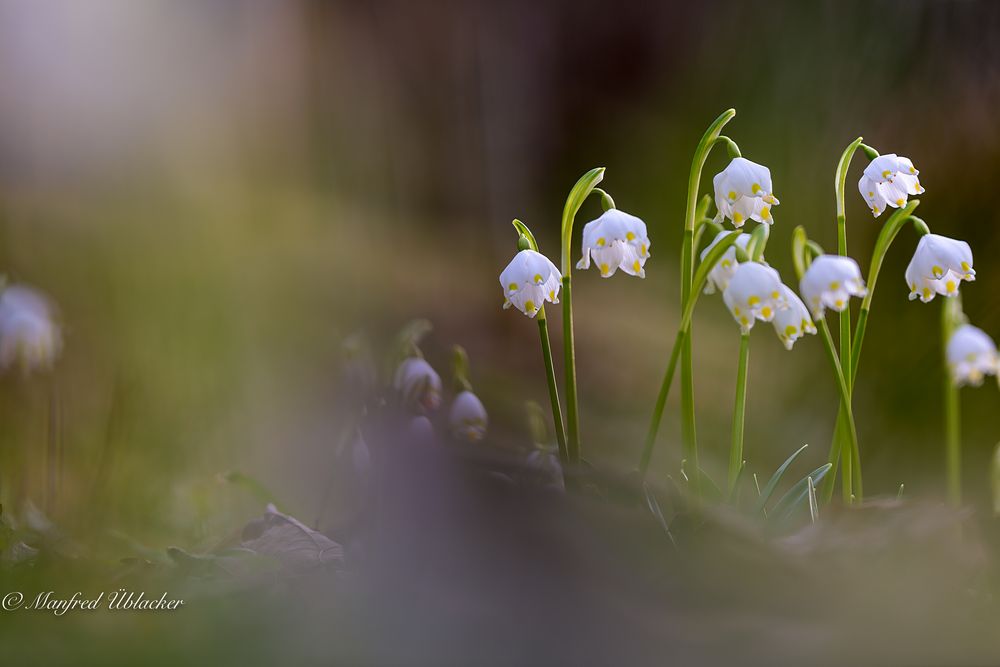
x=218, y=194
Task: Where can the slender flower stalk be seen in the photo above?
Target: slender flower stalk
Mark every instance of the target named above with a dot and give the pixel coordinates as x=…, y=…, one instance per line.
x=830, y=281
x=739, y=412
x=682, y=344
x=550, y=378
x=951, y=318
x=527, y=239
x=708, y=262
x=587, y=183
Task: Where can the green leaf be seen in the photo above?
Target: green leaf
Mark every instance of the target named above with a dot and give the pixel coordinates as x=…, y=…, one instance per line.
x=523, y=230
x=772, y=483
x=798, y=493
x=840, y=178
x=574, y=201
x=701, y=275
x=758, y=241
x=253, y=486
x=799, y=241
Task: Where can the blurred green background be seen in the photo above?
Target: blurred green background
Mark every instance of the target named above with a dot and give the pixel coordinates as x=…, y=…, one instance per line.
x=216, y=194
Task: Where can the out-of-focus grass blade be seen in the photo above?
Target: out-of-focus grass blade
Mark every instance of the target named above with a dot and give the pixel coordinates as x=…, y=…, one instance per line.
x=710, y=489
x=253, y=486
x=654, y=508
x=734, y=492
x=813, y=505
x=772, y=483
x=798, y=493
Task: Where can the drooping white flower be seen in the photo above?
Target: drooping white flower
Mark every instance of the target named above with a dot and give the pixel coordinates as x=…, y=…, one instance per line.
x=753, y=293
x=546, y=470
x=420, y=430
x=356, y=457
x=830, y=282
x=467, y=417
x=529, y=281
x=616, y=240
x=889, y=180
x=792, y=322
x=722, y=272
x=418, y=384
x=939, y=265
x=29, y=334
x=743, y=190
x=971, y=355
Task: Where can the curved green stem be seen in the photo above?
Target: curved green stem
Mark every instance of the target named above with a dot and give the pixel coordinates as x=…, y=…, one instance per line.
x=550, y=377
x=888, y=234
x=739, y=412
x=688, y=432
x=849, y=457
x=840, y=185
x=951, y=311
x=700, y=277
x=581, y=190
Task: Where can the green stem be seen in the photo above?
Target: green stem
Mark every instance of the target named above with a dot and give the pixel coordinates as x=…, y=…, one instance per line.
x=577, y=195
x=569, y=351
x=661, y=401
x=850, y=456
x=840, y=183
x=953, y=443
x=700, y=277
x=830, y=480
x=888, y=234
x=739, y=412
x=688, y=431
x=550, y=377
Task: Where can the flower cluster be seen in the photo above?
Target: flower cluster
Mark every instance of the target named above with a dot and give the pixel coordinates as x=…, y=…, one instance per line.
x=723, y=271
x=616, y=240
x=938, y=266
x=29, y=335
x=971, y=355
x=830, y=282
x=529, y=281
x=743, y=192
x=889, y=180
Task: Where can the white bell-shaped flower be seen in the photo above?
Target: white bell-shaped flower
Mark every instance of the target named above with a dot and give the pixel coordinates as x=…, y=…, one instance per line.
x=939, y=265
x=418, y=384
x=722, y=272
x=529, y=281
x=467, y=418
x=616, y=240
x=743, y=191
x=971, y=355
x=792, y=322
x=888, y=181
x=29, y=334
x=753, y=293
x=830, y=282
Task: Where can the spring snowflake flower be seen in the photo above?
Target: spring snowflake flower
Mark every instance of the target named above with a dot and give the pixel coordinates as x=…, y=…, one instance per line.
x=418, y=384
x=722, y=272
x=753, y=293
x=939, y=265
x=743, y=190
x=971, y=355
x=529, y=281
x=830, y=282
x=468, y=418
x=889, y=180
x=616, y=240
x=29, y=334
x=792, y=322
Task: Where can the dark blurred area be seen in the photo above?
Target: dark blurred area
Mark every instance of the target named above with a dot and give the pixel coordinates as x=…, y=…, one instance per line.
x=218, y=194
